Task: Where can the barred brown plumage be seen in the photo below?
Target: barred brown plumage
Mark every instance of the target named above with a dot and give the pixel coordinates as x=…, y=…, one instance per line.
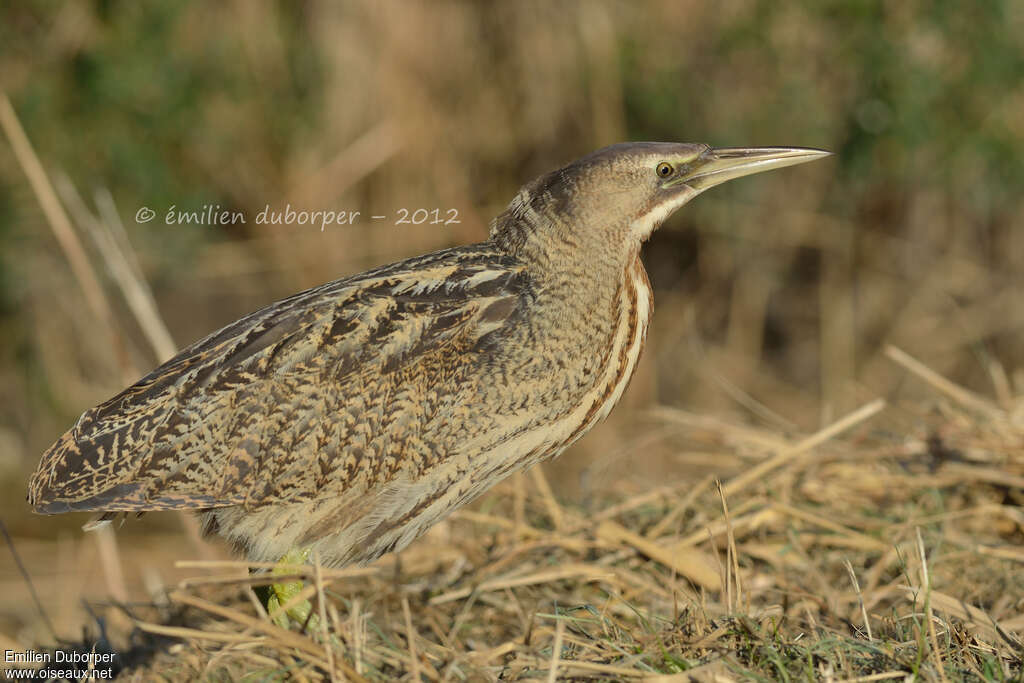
x=350, y=417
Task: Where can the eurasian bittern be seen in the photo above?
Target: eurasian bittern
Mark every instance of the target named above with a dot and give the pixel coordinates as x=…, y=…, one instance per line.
x=349, y=418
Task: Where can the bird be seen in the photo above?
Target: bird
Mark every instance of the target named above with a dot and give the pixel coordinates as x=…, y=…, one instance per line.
x=349, y=418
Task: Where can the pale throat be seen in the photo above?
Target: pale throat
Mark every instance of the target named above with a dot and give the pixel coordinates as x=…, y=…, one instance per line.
x=646, y=223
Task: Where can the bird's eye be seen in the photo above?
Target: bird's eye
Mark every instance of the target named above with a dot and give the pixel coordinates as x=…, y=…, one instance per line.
x=664, y=169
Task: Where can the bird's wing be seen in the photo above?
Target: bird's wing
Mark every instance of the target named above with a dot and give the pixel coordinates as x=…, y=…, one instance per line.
x=309, y=391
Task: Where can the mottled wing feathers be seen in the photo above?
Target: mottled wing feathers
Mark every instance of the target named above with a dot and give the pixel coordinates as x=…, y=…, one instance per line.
x=323, y=389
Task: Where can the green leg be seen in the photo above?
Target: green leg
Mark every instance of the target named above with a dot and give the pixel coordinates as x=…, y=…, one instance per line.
x=281, y=593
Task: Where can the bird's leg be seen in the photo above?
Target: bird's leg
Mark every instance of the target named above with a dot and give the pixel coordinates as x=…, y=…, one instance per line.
x=283, y=593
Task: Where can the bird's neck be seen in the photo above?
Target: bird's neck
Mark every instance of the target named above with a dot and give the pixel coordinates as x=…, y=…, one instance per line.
x=581, y=274
x=587, y=325
x=588, y=319
x=562, y=252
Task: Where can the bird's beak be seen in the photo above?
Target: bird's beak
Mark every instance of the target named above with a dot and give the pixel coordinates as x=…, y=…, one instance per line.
x=716, y=166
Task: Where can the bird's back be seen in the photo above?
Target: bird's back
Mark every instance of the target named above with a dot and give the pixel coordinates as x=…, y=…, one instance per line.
x=339, y=387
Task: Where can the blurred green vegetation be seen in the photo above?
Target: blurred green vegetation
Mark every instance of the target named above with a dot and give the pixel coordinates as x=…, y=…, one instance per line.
x=791, y=283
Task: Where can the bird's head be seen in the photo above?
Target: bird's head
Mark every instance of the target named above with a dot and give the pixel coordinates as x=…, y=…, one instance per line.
x=626, y=191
